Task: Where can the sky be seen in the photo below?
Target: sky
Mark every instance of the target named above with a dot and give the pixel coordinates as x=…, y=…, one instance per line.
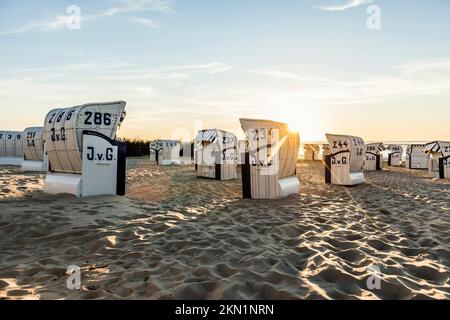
x=377, y=69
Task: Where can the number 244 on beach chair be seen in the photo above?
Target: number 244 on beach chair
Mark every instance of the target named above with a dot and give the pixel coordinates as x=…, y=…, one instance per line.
x=345, y=164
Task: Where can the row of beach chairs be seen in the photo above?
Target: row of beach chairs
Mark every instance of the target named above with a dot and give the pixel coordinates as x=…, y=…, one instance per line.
x=77, y=147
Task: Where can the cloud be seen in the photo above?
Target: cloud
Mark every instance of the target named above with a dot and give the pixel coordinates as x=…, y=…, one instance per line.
x=83, y=66
x=442, y=64
x=343, y=5
x=58, y=22
x=172, y=73
x=214, y=67
x=283, y=75
x=121, y=7
x=146, y=22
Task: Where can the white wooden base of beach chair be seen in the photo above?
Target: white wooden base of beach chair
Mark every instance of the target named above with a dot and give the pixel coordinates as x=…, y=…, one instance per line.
x=34, y=166
x=11, y=161
x=57, y=183
x=103, y=170
x=256, y=186
x=356, y=178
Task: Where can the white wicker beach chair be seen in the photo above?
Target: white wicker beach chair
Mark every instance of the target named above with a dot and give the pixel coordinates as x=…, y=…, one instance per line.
x=84, y=157
x=216, y=154
x=345, y=164
x=270, y=169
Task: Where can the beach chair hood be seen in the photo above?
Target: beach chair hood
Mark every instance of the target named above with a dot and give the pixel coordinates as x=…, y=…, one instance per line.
x=352, y=144
x=442, y=147
x=286, y=147
x=345, y=164
x=33, y=143
x=64, y=128
x=270, y=172
x=375, y=148
x=11, y=144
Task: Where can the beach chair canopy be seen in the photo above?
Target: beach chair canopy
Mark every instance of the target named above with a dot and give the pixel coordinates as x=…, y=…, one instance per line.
x=354, y=145
x=159, y=144
x=415, y=148
x=394, y=148
x=63, y=131
x=208, y=135
x=215, y=146
x=33, y=143
x=270, y=142
x=220, y=137
x=375, y=148
x=11, y=144
x=416, y=157
x=344, y=166
x=438, y=147
x=166, y=152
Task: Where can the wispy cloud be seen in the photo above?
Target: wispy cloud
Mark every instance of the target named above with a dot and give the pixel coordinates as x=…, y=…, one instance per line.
x=442, y=64
x=282, y=75
x=342, y=5
x=172, y=73
x=83, y=66
x=121, y=7
x=146, y=22
x=58, y=22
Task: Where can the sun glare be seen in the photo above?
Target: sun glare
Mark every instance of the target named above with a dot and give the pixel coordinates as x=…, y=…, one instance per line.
x=307, y=121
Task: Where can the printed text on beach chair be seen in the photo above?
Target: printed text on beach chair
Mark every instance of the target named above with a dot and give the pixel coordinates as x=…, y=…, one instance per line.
x=395, y=155
x=416, y=158
x=373, y=158
x=216, y=154
x=439, y=160
x=270, y=169
x=11, y=148
x=165, y=152
x=345, y=164
x=312, y=152
x=35, y=153
x=83, y=155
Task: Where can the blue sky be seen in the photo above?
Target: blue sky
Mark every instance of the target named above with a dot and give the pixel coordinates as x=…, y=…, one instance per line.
x=183, y=65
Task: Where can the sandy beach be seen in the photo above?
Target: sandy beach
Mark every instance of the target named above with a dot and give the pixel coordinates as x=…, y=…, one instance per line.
x=174, y=236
